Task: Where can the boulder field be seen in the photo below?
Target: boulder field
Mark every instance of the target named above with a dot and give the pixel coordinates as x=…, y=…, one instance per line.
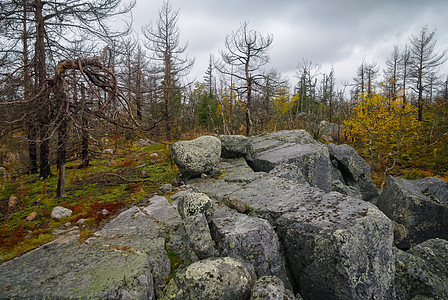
x=274, y=216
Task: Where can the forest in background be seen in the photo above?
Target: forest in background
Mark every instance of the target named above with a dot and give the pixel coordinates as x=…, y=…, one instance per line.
x=72, y=85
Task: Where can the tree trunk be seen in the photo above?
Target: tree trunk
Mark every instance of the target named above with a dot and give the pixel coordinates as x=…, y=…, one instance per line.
x=85, y=132
x=62, y=135
x=61, y=100
x=167, y=95
x=41, y=77
x=139, y=96
x=29, y=124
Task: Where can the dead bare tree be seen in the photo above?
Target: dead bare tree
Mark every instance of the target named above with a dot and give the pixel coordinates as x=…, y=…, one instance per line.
x=246, y=52
x=424, y=61
x=163, y=40
x=95, y=73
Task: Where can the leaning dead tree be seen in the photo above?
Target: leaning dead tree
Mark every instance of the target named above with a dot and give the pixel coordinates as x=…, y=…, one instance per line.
x=100, y=78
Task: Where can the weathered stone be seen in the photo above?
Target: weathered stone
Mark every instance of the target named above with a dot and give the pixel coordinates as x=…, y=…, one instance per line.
x=108, y=151
x=289, y=171
x=422, y=272
x=177, y=241
x=264, y=142
x=31, y=216
x=270, y=288
x=198, y=233
x=250, y=239
x=179, y=194
x=339, y=248
x=233, y=146
x=60, y=212
x=13, y=203
x=338, y=186
x=166, y=188
x=313, y=160
x=197, y=156
x=81, y=221
x=195, y=203
x=237, y=204
x=354, y=169
x=330, y=129
x=414, y=205
x=145, y=142
x=215, y=278
x=67, y=268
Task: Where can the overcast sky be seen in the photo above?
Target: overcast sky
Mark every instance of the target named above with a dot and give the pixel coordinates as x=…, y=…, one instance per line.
x=339, y=33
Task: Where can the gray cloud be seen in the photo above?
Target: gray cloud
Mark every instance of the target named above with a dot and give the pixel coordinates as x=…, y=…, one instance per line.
x=338, y=33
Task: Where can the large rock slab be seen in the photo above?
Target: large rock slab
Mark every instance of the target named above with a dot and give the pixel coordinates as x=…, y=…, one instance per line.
x=126, y=259
x=126, y=263
x=268, y=141
x=250, y=239
x=313, y=160
x=354, y=170
x=342, y=249
x=337, y=246
x=223, y=278
x=419, y=208
x=67, y=269
x=423, y=271
x=198, y=156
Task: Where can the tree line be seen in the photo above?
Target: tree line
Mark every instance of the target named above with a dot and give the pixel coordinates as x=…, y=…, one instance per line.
x=70, y=82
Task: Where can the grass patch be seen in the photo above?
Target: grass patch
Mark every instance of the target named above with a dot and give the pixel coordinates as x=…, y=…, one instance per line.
x=176, y=262
x=110, y=184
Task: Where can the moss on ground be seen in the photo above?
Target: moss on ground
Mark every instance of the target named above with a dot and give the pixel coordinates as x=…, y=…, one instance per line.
x=111, y=182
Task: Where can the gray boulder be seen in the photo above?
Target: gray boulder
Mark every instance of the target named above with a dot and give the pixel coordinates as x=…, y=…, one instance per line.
x=60, y=212
x=250, y=239
x=195, y=203
x=264, y=142
x=270, y=288
x=233, y=146
x=177, y=242
x=422, y=272
x=419, y=206
x=199, y=235
x=339, y=248
x=354, y=170
x=198, y=156
x=313, y=160
x=222, y=278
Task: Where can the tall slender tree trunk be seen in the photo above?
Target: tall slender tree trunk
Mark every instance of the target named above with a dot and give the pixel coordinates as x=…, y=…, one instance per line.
x=167, y=95
x=138, y=92
x=62, y=150
x=30, y=127
x=85, y=132
x=420, y=95
x=41, y=77
x=61, y=100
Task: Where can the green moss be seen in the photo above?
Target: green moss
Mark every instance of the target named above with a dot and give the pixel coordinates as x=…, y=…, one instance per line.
x=110, y=182
x=176, y=262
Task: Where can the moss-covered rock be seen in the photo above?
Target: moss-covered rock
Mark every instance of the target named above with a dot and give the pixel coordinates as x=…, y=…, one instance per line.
x=222, y=278
x=422, y=272
x=198, y=156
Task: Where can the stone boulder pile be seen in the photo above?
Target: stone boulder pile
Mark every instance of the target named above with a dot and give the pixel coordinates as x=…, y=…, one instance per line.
x=283, y=217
